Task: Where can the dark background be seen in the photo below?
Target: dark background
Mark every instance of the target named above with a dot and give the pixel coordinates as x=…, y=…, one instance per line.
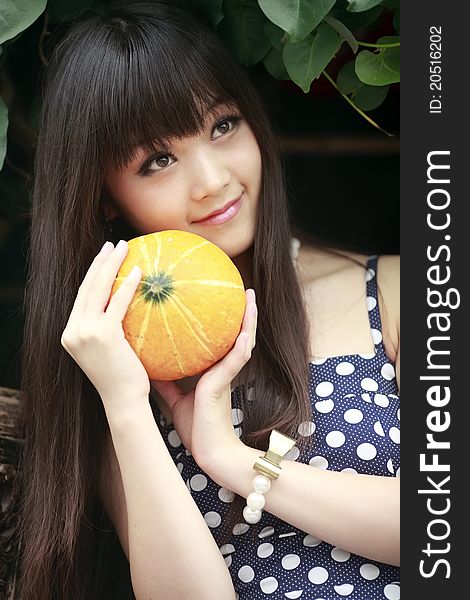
x=343, y=174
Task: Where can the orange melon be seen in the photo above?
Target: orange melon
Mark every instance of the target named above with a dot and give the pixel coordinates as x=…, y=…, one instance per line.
x=187, y=311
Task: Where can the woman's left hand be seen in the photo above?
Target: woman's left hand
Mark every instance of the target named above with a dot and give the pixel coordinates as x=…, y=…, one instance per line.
x=202, y=417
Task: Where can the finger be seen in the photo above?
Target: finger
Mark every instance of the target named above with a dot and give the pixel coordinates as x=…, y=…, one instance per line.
x=170, y=391
x=250, y=317
x=80, y=300
x=224, y=372
x=100, y=289
x=254, y=322
x=119, y=303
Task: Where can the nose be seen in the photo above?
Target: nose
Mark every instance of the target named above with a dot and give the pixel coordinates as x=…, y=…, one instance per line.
x=209, y=174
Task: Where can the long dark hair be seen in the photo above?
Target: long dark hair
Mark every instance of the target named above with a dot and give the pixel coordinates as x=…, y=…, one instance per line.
x=108, y=88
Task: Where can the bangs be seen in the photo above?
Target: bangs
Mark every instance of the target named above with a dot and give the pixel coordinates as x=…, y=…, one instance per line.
x=148, y=96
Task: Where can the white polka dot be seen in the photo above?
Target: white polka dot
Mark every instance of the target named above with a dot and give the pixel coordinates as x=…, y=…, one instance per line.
x=390, y=468
x=367, y=355
x=306, y=428
x=369, y=384
x=311, y=541
x=371, y=303
x=294, y=594
x=240, y=528
x=227, y=549
x=324, y=389
x=366, y=397
x=345, y=368
x=290, y=561
x=340, y=555
x=345, y=589
x=394, y=434
x=318, y=575
x=388, y=371
x=366, y=451
x=397, y=474
x=174, y=439
x=237, y=416
x=268, y=585
x=228, y=561
x=381, y=400
x=370, y=274
x=369, y=571
x=266, y=532
x=180, y=467
x=398, y=414
x=318, y=361
x=335, y=439
x=376, y=335
x=349, y=470
x=319, y=461
x=265, y=550
x=246, y=574
x=293, y=454
x=353, y=416
x=226, y=495
x=324, y=406
x=379, y=430
x=349, y=396
x=392, y=591
x=198, y=482
x=212, y=518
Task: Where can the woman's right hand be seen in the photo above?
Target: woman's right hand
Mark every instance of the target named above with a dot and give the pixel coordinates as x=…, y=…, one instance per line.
x=94, y=336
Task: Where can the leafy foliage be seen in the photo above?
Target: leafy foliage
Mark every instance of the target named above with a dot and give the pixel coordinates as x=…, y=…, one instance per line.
x=293, y=39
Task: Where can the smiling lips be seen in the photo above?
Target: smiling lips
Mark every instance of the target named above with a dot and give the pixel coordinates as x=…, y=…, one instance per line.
x=224, y=214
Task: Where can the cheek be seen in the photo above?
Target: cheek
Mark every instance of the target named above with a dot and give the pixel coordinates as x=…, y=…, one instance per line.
x=145, y=208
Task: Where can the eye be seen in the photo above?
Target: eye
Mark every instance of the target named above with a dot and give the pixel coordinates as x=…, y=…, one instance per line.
x=225, y=125
x=157, y=163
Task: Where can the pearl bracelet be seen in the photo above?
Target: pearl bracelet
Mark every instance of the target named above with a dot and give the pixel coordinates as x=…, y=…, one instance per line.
x=268, y=468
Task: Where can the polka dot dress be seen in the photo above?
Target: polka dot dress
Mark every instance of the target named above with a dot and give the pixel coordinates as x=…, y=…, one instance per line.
x=356, y=428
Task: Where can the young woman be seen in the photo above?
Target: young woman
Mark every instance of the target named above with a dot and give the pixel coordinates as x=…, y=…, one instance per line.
x=148, y=125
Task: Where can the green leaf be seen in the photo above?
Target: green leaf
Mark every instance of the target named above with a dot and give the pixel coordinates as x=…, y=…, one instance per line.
x=242, y=29
x=17, y=15
x=275, y=65
x=305, y=60
x=297, y=17
x=365, y=97
x=210, y=9
x=344, y=33
x=275, y=35
x=371, y=67
x=3, y=131
x=370, y=96
x=391, y=56
x=347, y=80
x=355, y=21
x=362, y=5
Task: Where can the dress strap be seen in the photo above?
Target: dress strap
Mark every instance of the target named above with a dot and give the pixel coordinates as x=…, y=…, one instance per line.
x=373, y=302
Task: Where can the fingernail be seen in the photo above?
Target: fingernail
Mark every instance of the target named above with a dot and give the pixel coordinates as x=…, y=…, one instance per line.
x=121, y=244
x=135, y=273
x=105, y=246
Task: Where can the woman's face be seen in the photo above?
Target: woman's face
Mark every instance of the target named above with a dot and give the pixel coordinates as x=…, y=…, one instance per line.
x=186, y=182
